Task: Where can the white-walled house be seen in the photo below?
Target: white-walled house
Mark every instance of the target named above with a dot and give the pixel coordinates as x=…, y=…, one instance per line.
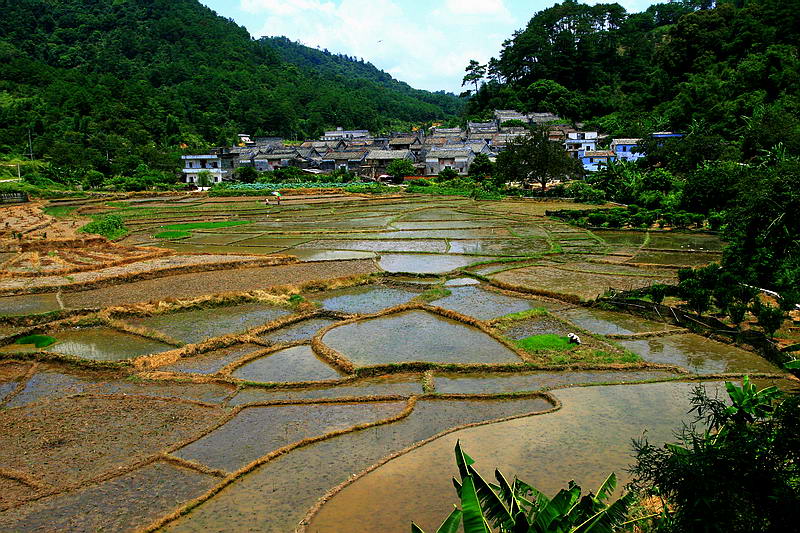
x=220, y=165
x=458, y=159
x=580, y=141
x=343, y=134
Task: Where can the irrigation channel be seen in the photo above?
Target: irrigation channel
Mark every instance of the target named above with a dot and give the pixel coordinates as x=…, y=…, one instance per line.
x=235, y=366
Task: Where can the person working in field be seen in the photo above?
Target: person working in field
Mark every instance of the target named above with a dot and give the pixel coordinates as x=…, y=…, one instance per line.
x=277, y=197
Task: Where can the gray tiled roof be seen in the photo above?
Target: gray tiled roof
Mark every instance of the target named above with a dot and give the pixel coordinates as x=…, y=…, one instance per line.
x=389, y=154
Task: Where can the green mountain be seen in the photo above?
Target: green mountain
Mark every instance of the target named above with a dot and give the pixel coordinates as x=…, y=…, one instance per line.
x=111, y=84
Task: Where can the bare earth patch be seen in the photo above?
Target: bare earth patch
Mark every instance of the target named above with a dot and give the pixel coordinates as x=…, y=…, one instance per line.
x=69, y=441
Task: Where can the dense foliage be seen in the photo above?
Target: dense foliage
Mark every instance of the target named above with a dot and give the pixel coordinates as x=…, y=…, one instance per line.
x=514, y=506
x=737, y=472
x=729, y=69
x=111, y=85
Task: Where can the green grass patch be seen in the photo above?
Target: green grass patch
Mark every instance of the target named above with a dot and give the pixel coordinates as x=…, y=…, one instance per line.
x=40, y=341
x=109, y=226
x=172, y=235
x=546, y=342
x=523, y=315
x=206, y=225
x=60, y=210
x=434, y=293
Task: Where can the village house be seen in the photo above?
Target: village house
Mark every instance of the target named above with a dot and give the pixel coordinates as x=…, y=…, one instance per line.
x=405, y=142
x=351, y=161
x=458, y=159
x=343, y=134
x=594, y=160
x=448, y=132
x=324, y=146
x=624, y=149
x=369, y=143
x=580, y=141
x=220, y=162
x=378, y=160
x=485, y=129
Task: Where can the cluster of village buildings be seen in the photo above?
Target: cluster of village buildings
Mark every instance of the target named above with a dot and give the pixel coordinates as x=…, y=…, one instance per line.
x=430, y=152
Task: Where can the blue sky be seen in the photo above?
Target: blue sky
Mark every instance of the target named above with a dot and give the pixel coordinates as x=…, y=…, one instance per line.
x=426, y=43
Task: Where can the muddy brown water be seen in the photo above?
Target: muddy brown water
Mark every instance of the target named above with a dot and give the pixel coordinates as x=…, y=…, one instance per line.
x=481, y=303
x=298, y=363
x=605, y=322
x=365, y=300
x=257, y=431
x=29, y=304
x=197, y=325
x=676, y=258
x=698, y=354
x=275, y=497
x=426, y=263
x=586, y=440
x=104, y=344
x=501, y=383
x=390, y=385
x=415, y=336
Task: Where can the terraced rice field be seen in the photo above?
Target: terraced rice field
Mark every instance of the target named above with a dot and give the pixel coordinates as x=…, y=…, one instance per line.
x=305, y=394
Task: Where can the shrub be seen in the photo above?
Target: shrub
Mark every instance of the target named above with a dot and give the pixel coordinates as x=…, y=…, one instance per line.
x=737, y=474
x=447, y=174
x=583, y=192
x=109, y=226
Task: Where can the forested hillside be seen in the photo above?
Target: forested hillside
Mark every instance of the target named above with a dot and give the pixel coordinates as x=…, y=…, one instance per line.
x=729, y=68
x=726, y=74
x=112, y=84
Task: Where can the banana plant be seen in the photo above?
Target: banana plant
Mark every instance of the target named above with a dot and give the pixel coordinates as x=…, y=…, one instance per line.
x=516, y=507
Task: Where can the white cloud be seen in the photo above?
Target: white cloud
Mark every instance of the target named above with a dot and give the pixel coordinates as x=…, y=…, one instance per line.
x=426, y=44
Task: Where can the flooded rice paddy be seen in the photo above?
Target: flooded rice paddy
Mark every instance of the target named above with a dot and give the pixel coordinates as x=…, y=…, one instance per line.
x=126, y=430
x=585, y=440
x=415, y=336
x=104, y=344
x=197, y=325
x=298, y=363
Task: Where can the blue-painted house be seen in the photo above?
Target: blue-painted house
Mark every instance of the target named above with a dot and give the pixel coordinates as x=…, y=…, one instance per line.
x=594, y=160
x=625, y=149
